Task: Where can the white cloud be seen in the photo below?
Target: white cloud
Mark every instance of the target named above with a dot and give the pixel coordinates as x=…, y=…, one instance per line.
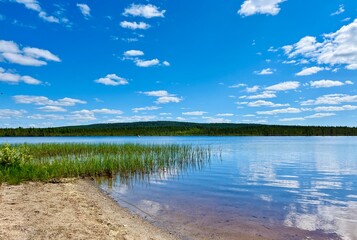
x=35, y=6
x=163, y=96
x=40, y=53
x=84, y=8
x=9, y=113
x=52, y=109
x=150, y=108
x=146, y=11
x=317, y=115
x=339, y=47
x=284, y=86
x=216, y=120
x=310, y=71
x=238, y=85
x=328, y=83
x=132, y=119
x=331, y=99
x=266, y=71
x=225, y=115
x=90, y=114
x=107, y=111
x=147, y=63
x=13, y=78
x=352, y=66
x=340, y=10
x=260, y=96
x=280, y=111
x=112, y=80
x=9, y=46
x=41, y=100
x=194, y=113
x=134, y=25
x=335, y=108
x=166, y=63
x=320, y=115
x=168, y=99
x=292, y=119
x=23, y=60
x=46, y=116
x=260, y=103
x=28, y=56
x=252, y=89
x=133, y=53
x=251, y=7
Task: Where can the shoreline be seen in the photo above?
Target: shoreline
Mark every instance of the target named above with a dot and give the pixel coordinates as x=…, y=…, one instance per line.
x=73, y=209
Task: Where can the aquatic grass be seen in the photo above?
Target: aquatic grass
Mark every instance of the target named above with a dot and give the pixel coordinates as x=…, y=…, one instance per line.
x=48, y=162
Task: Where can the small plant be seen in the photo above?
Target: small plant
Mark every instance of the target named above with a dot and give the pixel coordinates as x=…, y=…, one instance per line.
x=13, y=157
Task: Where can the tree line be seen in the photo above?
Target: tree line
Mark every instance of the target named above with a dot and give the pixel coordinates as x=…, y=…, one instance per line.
x=179, y=129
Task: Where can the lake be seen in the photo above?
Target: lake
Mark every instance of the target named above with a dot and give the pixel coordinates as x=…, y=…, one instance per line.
x=261, y=187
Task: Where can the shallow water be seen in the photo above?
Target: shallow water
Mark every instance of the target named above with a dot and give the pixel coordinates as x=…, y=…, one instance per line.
x=275, y=187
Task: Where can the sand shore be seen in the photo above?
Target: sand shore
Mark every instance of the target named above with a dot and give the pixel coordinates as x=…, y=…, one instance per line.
x=70, y=210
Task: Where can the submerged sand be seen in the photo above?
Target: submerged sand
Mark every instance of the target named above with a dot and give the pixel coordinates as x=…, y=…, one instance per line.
x=70, y=210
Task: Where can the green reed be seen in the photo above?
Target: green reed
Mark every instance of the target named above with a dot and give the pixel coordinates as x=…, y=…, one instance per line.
x=50, y=162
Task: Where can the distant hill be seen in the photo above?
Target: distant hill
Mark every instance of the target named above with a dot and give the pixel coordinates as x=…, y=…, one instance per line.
x=164, y=128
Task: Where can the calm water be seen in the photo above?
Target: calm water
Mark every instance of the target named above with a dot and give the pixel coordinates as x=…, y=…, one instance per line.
x=277, y=187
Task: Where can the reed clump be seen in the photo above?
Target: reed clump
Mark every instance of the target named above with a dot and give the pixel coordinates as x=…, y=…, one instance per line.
x=45, y=162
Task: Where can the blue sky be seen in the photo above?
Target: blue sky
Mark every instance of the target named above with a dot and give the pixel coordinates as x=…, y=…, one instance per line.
x=291, y=62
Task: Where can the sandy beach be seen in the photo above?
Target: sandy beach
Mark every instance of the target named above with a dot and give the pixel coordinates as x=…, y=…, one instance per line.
x=73, y=209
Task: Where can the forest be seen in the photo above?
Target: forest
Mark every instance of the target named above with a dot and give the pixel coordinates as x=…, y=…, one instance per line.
x=165, y=128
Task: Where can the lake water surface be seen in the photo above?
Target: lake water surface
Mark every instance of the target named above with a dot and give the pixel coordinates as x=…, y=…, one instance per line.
x=262, y=187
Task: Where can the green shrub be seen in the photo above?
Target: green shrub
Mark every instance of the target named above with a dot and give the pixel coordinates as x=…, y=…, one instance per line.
x=13, y=157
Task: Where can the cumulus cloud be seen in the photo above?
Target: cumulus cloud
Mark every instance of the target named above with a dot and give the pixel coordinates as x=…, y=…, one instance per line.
x=135, y=118
x=328, y=83
x=14, y=78
x=52, y=109
x=133, y=53
x=166, y=63
x=216, y=120
x=99, y=111
x=163, y=96
x=260, y=96
x=284, y=86
x=266, y=71
x=338, y=48
x=134, y=25
x=10, y=113
x=146, y=11
x=35, y=6
x=317, y=115
x=331, y=99
x=194, y=113
x=280, y=111
x=310, y=71
x=225, y=115
x=268, y=7
x=27, y=56
x=149, y=108
x=252, y=89
x=147, y=63
x=85, y=9
x=263, y=103
x=112, y=80
x=335, y=108
x=41, y=100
